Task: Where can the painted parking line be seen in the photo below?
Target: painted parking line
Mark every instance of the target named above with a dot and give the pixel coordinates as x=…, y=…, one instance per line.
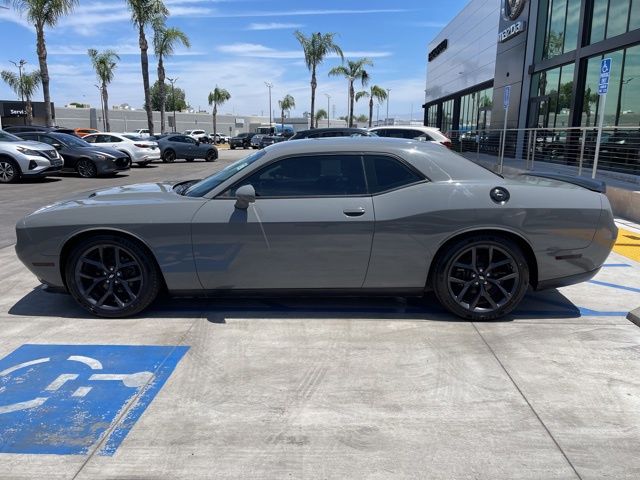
x=628, y=244
x=614, y=285
x=68, y=399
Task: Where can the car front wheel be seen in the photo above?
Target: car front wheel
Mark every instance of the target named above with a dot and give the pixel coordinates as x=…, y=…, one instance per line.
x=211, y=156
x=481, y=278
x=9, y=171
x=86, y=168
x=112, y=276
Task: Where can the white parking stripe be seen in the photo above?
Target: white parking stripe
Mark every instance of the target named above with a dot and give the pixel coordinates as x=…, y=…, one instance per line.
x=23, y=365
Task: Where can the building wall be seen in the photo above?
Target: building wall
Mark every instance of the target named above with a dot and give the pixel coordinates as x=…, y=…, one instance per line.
x=470, y=57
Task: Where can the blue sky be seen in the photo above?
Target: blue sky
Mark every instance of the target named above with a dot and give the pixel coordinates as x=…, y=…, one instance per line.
x=239, y=45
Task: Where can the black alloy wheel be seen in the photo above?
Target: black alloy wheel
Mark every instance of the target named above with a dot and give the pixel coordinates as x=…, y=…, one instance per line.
x=481, y=278
x=9, y=171
x=112, y=276
x=86, y=168
x=211, y=156
x=169, y=156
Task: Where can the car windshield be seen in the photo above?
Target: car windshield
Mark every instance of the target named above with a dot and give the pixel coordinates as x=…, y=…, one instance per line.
x=206, y=185
x=7, y=137
x=133, y=137
x=71, y=140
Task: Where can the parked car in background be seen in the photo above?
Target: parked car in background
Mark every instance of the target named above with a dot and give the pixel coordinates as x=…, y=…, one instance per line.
x=26, y=159
x=217, y=138
x=141, y=132
x=332, y=132
x=177, y=146
x=15, y=129
x=140, y=151
x=242, y=140
x=256, y=139
x=200, y=135
x=271, y=139
x=79, y=156
x=411, y=132
x=83, y=132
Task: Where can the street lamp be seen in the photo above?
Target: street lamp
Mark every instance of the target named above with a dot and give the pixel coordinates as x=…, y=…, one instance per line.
x=328, y=110
x=173, y=81
x=386, y=121
x=20, y=65
x=269, y=86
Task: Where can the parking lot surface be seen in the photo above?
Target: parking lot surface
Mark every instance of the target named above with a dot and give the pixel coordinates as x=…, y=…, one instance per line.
x=313, y=388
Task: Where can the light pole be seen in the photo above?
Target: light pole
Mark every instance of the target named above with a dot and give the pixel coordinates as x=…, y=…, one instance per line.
x=328, y=110
x=269, y=86
x=104, y=122
x=386, y=120
x=20, y=65
x=173, y=81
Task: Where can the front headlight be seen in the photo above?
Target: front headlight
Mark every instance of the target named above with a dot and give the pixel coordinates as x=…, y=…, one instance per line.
x=100, y=156
x=27, y=151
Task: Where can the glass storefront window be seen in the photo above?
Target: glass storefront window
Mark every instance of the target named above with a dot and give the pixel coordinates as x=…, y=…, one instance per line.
x=551, y=93
x=447, y=116
x=622, y=106
x=559, y=20
x=613, y=17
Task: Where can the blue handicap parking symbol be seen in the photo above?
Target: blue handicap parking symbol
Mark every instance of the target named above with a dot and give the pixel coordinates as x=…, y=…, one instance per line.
x=70, y=399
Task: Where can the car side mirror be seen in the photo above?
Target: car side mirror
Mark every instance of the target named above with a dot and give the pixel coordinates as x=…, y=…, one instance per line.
x=245, y=195
x=57, y=146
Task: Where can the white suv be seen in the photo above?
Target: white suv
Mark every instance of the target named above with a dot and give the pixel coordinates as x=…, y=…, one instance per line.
x=141, y=151
x=425, y=134
x=24, y=159
x=199, y=135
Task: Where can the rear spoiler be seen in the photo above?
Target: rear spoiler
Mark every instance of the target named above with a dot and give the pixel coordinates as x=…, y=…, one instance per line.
x=593, y=185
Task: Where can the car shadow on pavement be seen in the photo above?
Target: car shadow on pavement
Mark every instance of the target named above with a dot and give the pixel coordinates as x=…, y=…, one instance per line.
x=544, y=305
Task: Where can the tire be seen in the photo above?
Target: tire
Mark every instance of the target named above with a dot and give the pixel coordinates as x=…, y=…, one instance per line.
x=9, y=171
x=189, y=160
x=169, y=156
x=469, y=286
x=211, y=156
x=86, y=168
x=106, y=295
x=232, y=147
x=143, y=164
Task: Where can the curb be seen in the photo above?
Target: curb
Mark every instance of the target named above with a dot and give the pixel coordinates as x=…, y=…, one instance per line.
x=634, y=316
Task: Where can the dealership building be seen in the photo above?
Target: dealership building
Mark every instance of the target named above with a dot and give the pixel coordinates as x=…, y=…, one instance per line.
x=548, y=52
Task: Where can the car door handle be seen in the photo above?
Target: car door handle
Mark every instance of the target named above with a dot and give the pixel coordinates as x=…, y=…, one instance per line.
x=354, y=212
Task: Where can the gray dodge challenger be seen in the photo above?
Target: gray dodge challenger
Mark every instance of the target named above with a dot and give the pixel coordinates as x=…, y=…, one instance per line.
x=339, y=216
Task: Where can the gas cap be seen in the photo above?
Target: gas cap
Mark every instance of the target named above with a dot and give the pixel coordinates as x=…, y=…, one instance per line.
x=500, y=195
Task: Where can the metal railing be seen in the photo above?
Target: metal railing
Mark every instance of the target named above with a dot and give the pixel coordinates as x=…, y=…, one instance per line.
x=573, y=148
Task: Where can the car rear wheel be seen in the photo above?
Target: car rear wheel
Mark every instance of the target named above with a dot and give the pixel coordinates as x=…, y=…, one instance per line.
x=169, y=156
x=86, y=168
x=211, y=156
x=143, y=164
x=9, y=171
x=232, y=147
x=481, y=278
x=112, y=276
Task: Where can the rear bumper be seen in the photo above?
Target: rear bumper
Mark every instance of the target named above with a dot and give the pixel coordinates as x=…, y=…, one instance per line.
x=566, y=281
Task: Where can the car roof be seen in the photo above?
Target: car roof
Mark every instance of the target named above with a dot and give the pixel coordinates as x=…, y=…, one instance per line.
x=406, y=127
x=436, y=161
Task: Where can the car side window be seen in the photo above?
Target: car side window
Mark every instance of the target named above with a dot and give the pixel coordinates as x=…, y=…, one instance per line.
x=29, y=136
x=175, y=139
x=388, y=173
x=90, y=139
x=113, y=139
x=189, y=140
x=309, y=176
x=46, y=139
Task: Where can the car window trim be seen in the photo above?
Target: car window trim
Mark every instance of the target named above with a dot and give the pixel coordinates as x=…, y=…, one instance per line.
x=360, y=154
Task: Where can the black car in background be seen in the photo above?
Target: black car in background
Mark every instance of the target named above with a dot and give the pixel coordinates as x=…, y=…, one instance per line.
x=242, y=140
x=332, y=132
x=80, y=156
x=271, y=139
x=18, y=129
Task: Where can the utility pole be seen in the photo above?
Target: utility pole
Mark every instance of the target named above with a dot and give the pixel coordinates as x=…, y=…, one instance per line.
x=386, y=121
x=104, y=121
x=173, y=81
x=269, y=86
x=328, y=110
x=20, y=65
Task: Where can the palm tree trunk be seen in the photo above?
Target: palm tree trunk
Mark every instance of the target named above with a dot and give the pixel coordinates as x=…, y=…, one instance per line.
x=29, y=108
x=314, y=85
x=105, y=102
x=282, y=117
x=161, y=76
x=44, y=72
x=351, y=97
x=370, y=110
x=215, y=121
x=144, y=61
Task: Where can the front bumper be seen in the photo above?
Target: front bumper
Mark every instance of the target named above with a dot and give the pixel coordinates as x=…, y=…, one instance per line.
x=43, y=166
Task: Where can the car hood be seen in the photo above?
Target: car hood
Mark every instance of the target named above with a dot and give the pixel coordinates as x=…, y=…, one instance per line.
x=108, y=150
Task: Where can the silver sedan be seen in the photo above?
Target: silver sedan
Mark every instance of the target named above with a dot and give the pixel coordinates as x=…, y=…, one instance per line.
x=344, y=216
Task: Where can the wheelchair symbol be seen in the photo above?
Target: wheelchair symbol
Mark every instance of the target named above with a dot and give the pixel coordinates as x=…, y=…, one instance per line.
x=132, y=380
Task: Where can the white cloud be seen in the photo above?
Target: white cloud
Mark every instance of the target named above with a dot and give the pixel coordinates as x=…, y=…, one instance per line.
x=273, y=26
x=120, y=48
x=262, y=51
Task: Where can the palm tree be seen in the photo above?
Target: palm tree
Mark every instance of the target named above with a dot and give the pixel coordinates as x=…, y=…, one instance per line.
x=164, y=41
x=104, y=63
x=144, y=13
x=320, y=115
x=354, y=70
x=286, y=104
x=316, y=48
x=24, y=86
x=44, y=13
x=216, y=98
x=377, y=93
